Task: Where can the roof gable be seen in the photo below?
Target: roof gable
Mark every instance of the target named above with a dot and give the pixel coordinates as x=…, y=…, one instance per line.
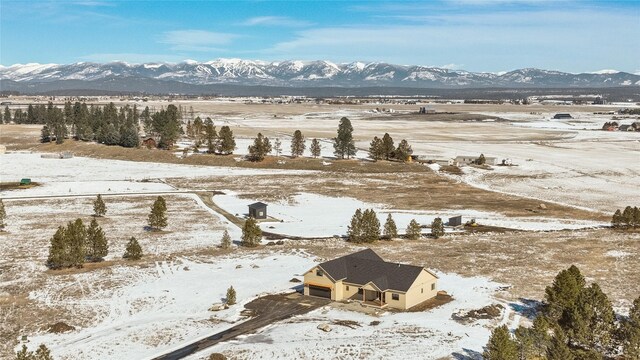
x=366, y=266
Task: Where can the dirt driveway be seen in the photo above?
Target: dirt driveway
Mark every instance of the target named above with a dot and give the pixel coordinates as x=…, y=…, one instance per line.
x=265, y=310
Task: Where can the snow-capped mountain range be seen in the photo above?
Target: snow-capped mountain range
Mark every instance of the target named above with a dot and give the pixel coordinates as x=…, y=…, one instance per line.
x=309, y=74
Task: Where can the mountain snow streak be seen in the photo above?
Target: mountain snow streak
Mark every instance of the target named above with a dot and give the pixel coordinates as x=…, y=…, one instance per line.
x=310, y=74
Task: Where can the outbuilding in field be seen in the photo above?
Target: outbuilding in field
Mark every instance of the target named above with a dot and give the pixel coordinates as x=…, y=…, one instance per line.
x=258, y=210
x=25, y=181
x=562, y=116
x=455, y=220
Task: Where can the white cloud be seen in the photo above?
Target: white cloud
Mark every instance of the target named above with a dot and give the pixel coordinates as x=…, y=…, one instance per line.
x=196, y=40
x=274, y=21
x=485, y=42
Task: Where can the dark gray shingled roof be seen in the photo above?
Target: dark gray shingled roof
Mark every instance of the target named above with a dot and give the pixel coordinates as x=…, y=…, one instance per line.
x=366, y=266
x=257, y=205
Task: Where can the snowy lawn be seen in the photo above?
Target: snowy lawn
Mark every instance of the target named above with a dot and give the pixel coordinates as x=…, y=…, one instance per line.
x=153, y=309
x=425, y=335
x=312, y=215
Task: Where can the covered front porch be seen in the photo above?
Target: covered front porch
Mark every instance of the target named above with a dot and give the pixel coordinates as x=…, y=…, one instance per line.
x=372, y=296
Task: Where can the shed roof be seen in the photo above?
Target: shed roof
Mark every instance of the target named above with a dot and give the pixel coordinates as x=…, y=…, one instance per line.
x=366, y=266
x=257, y=205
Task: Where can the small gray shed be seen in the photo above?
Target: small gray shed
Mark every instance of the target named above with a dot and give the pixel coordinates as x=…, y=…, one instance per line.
x=258, y=210
x=455, y=221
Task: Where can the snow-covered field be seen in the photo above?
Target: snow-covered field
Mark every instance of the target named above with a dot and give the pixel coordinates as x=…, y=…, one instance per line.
x=149, y=310
x=425, y=335
x=313, y=215
x=139, y=312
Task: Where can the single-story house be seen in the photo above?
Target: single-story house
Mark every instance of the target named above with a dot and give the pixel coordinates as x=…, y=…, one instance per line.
x=562, y=116
x=258, y=210
x=467, y=160
x=625, y=128
x=365, y=277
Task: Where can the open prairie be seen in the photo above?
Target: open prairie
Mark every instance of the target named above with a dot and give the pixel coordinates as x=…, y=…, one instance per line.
x=549, y=210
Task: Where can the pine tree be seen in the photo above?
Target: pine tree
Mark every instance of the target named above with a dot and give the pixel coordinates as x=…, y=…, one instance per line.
x=297, y=144
x=414, y=231
x=211, y=136
x=158, y=215
x=133, y=251
x=533, y=341
x=99, y=208
x=354, y=230
x=617, y=219
x=43, y=353
x=558, y=349
x=97, y=246
x=57, y=250
x=225, y=242
x=403, y=151
x=631, y=332
x=370, y=226
x=7, y=115
x=627, y=216
x=376, y=149
x=76, y=239
x=129, y=136
x=251, y=233
x=343, y=144
x=437, y=228
x=260, y=148
x=390, y=229
x=24, y=353
x=636, y=217
x=564, y=291
x=3, y=215
x=590, y=321
x=226, y=143
x=501, y=346
x=316, y=148
x=45, y=134
x=231, y=296
x=481, y=160
x=277, y=146
x=387, y=146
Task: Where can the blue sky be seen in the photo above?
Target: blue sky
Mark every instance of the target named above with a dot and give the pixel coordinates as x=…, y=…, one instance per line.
x=475, y=35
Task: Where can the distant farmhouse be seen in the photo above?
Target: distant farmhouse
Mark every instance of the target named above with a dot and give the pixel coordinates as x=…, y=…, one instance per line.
x=468, y=160
x=562, y=116
x=365, y=277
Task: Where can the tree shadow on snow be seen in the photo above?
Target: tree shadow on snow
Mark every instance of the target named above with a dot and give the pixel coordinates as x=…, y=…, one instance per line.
x=527, y=307
x=467, y=354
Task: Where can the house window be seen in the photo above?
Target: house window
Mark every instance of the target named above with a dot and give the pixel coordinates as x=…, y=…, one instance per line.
x=422, y=291
x=360, y=291
x=347, y=287
x=433, y=286
x=395, y=296
x=319, y=272
x=260, y=213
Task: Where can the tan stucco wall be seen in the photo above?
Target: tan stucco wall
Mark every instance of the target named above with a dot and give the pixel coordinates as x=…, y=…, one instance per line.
x=310, y=277
x=351, y=292
x=420, y=290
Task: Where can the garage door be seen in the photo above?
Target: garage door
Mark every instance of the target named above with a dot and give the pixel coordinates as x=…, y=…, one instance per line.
x=320, y=291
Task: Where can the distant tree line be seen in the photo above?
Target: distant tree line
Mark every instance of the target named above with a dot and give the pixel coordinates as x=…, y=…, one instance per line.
x=576, y=322
x=365, y=228
x=204, y=134
x=383, y=148
x=629, y=218
x=106, y=124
